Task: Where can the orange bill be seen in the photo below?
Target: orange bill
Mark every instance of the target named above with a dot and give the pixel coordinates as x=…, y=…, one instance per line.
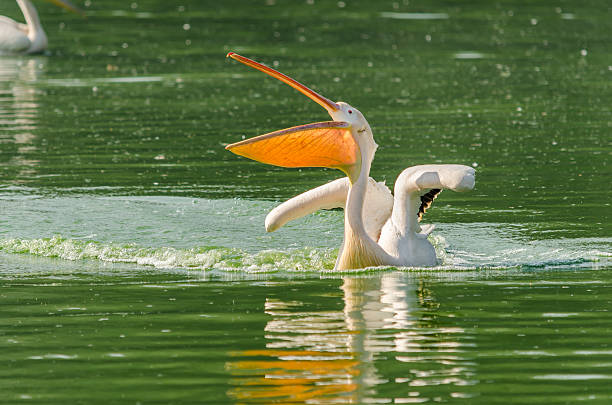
x=329, y=105
x=68, y=6
x=321, y=144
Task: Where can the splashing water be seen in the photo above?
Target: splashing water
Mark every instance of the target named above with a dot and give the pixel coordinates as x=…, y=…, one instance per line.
x=167, y=233
x=203, y=258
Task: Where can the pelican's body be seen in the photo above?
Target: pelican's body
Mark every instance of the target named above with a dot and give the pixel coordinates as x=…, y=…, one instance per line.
x=18, y=38
x=379, y=229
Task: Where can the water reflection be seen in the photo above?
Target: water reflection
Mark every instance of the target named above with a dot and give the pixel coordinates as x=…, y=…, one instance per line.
x=322, y=356
x=19, y=110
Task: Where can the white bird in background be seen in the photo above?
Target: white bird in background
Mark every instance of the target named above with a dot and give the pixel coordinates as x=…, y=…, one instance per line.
x=18, y=38
x=379, y=229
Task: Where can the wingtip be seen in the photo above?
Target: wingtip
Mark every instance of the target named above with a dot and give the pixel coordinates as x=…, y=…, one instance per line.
x=270, y=223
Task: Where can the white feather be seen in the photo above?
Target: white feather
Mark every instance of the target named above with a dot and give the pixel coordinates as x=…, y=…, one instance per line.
x=377, y=207
x=402, y=237
x=18, y=38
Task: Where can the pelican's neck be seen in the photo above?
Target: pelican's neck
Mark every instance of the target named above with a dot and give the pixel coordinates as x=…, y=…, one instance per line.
x=358, y=249
x=353, y=216
x=36, y=34
x=359, y=185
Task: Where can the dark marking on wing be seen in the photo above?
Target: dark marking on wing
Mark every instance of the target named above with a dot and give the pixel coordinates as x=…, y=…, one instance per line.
x=426, y=200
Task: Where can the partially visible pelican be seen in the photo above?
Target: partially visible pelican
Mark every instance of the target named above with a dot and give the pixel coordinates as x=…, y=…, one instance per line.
x=29, y=37
x=379, y=230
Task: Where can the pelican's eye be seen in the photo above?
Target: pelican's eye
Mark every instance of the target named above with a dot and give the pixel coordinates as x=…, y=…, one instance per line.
x=350, y=111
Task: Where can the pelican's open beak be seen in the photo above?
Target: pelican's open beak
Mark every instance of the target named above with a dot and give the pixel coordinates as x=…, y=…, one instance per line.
x=330, y=106
x=322, y=144
x=68, y=6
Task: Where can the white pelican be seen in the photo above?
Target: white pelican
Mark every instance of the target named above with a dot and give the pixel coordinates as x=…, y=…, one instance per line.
x=29, y=37
x=379, y=230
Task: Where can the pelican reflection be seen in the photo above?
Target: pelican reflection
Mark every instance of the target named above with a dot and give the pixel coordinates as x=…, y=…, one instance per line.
x=19, y=109
x=384, y=337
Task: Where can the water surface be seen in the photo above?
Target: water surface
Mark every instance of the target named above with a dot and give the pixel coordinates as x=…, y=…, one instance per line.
x=134, y=265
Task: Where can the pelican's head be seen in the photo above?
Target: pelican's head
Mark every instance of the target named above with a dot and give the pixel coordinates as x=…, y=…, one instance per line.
x=348, y=113
x=360, y=128
x=341, y=112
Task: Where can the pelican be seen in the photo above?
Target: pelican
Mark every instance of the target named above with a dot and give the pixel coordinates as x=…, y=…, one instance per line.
x=17, y=38
x=379, y=229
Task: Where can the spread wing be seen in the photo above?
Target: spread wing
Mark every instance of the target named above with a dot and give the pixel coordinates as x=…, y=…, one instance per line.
x=422, y=184
x=377, y=206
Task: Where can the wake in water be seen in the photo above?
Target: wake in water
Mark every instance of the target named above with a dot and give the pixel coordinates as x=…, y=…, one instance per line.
x=204, y=258
x=292, y=260
x=228, y=235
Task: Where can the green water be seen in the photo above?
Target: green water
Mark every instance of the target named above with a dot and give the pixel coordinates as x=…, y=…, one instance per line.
x=134, y=264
